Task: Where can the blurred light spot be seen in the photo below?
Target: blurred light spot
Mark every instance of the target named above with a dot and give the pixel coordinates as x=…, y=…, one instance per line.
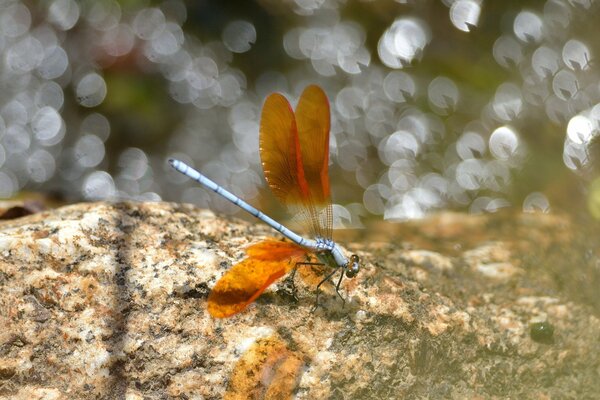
x=291, y=43
x=357, y=214
x=15, y=19
x=8, y=184
x=417, y=125
x=575, y=156
x=209, y=97
x=230, y=157
x=528, y=27
x=557, y=14
x=246, y=183
x=580, y=129
x=183, y=92
x=118, y=41
x=203, y=73
x=565, y=84
x=219, y=53
x=148, y=23
x=435, y=183
x=386, y=57
x=380, y=112
x=14, y=112
x=534, y=91
x=487, y=204
x=98, y=185
x=403, y=42
x=341, y=44
x=594, y=115
x=399, y=86
x=245, y=137
x=50, y=94
x=175, y=10
x=217, y=171
x=25, y=55
x=351, y=154
x=168, y=41
x=54, y=64
x=470, y=174
x=96, y=124
x=443, y=94
x=323, y=67
x=175, y=68
x=507, y=52
x=239, y=36
x=350, y=102
x=470, y=145
x=425, y=197
x=196, y=195
x=366, y=173
x=47, y=125
x=341, y=217
x=557, y=109
x=103, y=15
x=133, y=163
x=503, y=143
x=585, y=4
x=16, y=139
x=89, y=151
x=401, y=175
x=231, y=89
x=373, y=199
x=90, y=90
x=126, y=188
x=308, y=7
x=464, y=14
x=576, y=55
x=63, y=13
x=351, y=63
x=508, y=102
x=545, y=62
x=148, y=197
x=400, y=144
x=40, y=166
x=47, y=36
x=497, y=175
x=403, y=208
x=535, y=202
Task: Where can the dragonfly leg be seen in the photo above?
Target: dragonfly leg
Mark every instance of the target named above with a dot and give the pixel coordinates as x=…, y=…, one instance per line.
x=319, y=289
x=337, y=289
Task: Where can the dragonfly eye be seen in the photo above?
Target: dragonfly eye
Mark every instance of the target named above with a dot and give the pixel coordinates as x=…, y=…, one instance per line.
x=353, y=267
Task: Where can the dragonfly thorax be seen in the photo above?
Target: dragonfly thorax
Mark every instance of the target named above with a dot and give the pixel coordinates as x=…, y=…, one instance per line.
x=331, y=254
x=324, y=244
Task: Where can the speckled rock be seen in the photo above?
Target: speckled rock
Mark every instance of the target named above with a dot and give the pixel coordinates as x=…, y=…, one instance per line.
x=105, y=301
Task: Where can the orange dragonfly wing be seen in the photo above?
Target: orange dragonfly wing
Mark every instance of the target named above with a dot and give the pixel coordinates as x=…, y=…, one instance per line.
x=267, y=261
x=313, y=122
x=280, y=151
x=294, y=150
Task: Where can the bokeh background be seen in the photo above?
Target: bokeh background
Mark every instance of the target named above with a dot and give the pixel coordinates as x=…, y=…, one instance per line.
x=468, y=105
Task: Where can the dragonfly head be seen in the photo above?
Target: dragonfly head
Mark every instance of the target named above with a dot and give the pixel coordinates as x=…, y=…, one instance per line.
x=353, y=266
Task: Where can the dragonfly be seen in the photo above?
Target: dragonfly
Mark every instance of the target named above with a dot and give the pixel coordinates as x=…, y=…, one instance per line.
x=294, y=153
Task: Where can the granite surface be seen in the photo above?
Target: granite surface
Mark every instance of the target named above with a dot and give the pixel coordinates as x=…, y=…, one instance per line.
x=106, y=301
